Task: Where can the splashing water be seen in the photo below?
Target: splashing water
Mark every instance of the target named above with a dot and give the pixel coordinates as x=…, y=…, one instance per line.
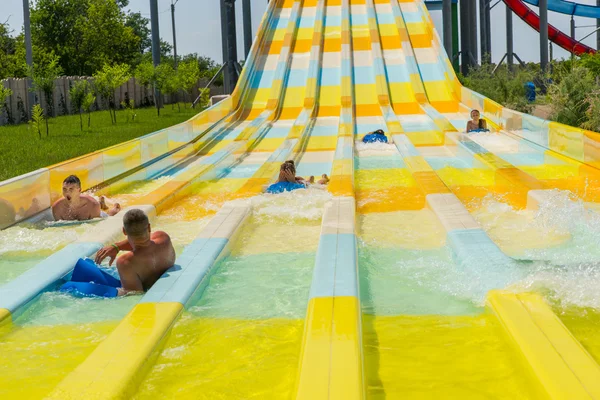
x=562, y=236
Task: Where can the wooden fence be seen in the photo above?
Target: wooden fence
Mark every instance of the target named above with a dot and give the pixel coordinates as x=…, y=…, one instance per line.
x=16, y=108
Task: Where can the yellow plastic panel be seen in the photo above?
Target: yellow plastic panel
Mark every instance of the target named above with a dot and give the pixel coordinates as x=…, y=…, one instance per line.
x=331, y=360
x=366, y=94
x=329, y=96
x=24, y=196
x=563, y=367
x=442, y=357
x=5, y=316
x=34, y=359
x=120, y=159
x=471, y=177
x=225, y=358
x=110, y=369
x=438, y=91
x=380, y=179
x=566, y=140
x=320, y=143
x=401, y=92
x=426, y=138
x=154, y=145
x=418, y=229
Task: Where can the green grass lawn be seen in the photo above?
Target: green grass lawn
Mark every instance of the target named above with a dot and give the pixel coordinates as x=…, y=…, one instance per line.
x=22, y=151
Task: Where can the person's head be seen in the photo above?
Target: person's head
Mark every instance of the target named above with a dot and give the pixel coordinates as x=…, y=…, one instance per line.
x=475, y=115
x=136, y=226
x=71, y=188
x=379, y=132
x=289, y=166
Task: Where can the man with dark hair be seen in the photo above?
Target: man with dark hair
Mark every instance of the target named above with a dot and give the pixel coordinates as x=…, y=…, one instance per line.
x=75, y=206
x=149, y=255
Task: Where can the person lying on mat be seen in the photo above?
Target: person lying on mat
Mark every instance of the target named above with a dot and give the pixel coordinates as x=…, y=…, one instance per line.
x=77, y=206
x=476, y=124
x=376, y=136
x=287, y=180
x=149, y=254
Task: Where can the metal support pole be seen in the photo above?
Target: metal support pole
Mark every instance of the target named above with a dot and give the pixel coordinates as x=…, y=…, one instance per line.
x=473, y=28
x=488, y=37
x=455, y=45
x=224, y=47
x=543, y=4
x=598, y=27
x=231, y=44
x=155, y=44
x=572, y=27
x=465, y=42
x=247, y=12
x=447, y=25
x=29, y=53
x=509, y=39
x=174, y=35
x=483, y=25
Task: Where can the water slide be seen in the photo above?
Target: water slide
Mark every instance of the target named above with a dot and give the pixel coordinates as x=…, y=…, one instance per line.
x=439, y=264
x=554, y=35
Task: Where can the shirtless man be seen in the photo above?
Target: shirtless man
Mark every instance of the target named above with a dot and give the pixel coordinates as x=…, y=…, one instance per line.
x=149, y=255
x=75, y=206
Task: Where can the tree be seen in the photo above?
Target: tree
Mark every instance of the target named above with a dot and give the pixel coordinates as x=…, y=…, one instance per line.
x=87, y=103
x=165, y=80
x=85, y=34
x=145, y=75
x=10, y=63
x=37, y=118
x=79, y=91
x=188, y=73
x=107, y=81
x=43, y=78
x=139, y=25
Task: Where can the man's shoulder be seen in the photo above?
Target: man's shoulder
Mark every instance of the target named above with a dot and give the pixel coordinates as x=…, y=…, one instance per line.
x=125, y=259
x=89, y=199
x=60, y=202
x=160, y=235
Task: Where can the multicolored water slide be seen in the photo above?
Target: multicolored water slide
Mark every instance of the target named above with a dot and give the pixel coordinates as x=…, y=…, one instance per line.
x=440, y=264
x=556, y=36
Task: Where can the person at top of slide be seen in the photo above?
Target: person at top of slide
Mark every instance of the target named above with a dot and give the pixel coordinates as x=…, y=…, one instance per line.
x=149, y=254
x=476, y=123
x=77, y=206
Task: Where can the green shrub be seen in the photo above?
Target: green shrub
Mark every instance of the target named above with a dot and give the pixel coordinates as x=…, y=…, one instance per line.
x=504, y=87
x=570, y=97
x=37, y=119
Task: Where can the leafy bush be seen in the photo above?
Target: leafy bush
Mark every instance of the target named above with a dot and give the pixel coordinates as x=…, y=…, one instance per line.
x=504, y=87
x=5, y=93
x=570, y=97
x=37, y=119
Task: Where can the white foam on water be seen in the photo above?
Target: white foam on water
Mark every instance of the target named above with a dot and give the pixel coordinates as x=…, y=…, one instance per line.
x=568, y=273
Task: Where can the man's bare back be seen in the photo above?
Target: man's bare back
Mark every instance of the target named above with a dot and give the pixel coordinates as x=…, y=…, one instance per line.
x=86, y=208
x=141, y=268
x=150, y=253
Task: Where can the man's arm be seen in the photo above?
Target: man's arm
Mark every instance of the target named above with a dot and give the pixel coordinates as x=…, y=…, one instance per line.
x=130, y=281
x=111, y=251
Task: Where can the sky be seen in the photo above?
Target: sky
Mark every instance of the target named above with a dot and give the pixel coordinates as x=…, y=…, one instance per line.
x=198, y=26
